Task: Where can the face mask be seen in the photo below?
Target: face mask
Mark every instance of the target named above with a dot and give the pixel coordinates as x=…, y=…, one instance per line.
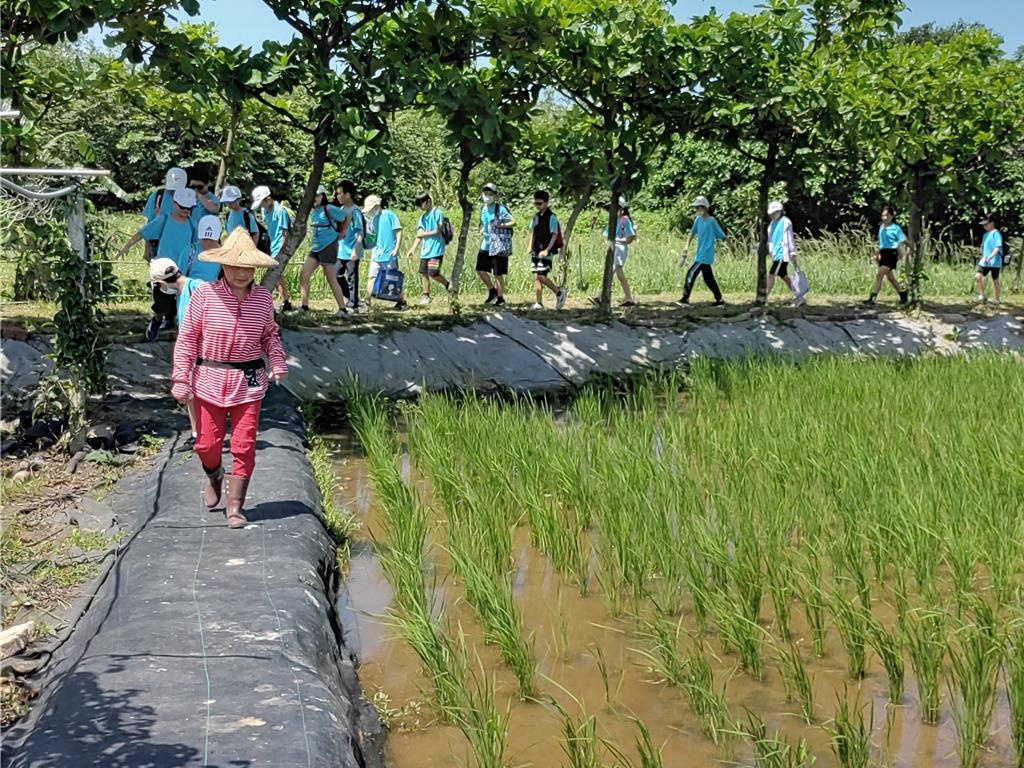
x=170, y=290
x=488, y=199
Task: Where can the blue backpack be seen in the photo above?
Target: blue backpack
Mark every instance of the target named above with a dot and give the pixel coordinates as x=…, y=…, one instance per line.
x=388, y=285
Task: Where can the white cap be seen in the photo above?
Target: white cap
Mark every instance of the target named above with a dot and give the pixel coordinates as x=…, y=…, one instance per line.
x=162, y=269
x=260, y=194
x=230, y=194
x=491, y=187
x=774, y=207
x=175, y=179
x=622, y=202
x=700, y=202
x=371, y=203
x=209, y=228
x=321, y=190
x=185, y=197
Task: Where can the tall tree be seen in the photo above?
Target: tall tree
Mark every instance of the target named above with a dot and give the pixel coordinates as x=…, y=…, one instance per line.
x=768, y=85
x=930, y=114
x=618, y=63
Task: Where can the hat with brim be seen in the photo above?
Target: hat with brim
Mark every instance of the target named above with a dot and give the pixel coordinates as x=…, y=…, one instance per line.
x=371, y=203
x=700, y=202
x=238, y=251
x=774, y=207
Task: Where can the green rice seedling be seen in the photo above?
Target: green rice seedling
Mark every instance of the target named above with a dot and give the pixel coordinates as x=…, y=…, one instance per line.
x=850, y=732
x=444, y=665
x=781, y=580
x=708, y=702
x=775, y=751
x=853, y=622
x=650, y=756
x=796, y=681
x=662, y=636
x=889, y=649
x=1013, y=675
x=485, y=728
x=974, y=669
x=580, y=743
x=737, y=631
x=340, y=522
x=700, y=588
x=926, y=645
x=812, y=595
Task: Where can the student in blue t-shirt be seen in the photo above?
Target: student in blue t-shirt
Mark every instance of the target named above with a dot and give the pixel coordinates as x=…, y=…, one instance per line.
x=350, y=248
x=495, y=246
x=208, y=234
x=326, y=223
x=278, y=223
x=431, y=241
x=991, y=262
x=206, y=201
x=175, y=235
x=162, y=201
x=708, y=232
x=891, y=243
x=384, y=237
x=625, y=234
x=238, y=216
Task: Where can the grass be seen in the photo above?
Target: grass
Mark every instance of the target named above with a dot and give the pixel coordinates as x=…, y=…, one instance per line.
x=682, y=502
x=340, y=522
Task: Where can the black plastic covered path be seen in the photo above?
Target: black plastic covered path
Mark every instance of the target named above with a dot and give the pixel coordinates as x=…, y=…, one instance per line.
x=206, y=646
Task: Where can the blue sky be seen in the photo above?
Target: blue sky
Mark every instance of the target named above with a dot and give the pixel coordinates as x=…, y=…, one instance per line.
x=247, y=22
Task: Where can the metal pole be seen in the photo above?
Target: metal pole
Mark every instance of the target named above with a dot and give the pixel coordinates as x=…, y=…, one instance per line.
x=9, y=114
x=74, y=173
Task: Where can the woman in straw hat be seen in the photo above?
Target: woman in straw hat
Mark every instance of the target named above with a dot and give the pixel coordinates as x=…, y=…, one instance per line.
x=227, y=337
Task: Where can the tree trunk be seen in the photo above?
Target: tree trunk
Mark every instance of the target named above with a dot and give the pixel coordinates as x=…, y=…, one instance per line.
x=467, y=215
x=225, y=154
x=577, y=209
x=917, y=190
x=613, y=219
x=297, y=233
x=764, y=189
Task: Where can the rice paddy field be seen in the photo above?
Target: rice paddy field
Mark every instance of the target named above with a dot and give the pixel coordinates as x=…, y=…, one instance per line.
x=753, y=563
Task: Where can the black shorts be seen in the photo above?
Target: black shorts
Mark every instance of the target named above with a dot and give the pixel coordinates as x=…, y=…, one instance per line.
x=496, y=265
x=888, y=257
x=779, y=268
x=431, y=267
x=986, y=271
x=539, y=266
x=328, y=255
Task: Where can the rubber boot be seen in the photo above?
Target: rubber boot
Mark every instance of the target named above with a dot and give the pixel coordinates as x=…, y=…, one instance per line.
x=236, y=490
x=214, y=488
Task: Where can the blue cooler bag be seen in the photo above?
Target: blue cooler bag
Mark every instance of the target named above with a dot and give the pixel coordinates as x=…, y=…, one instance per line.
x=388, y=285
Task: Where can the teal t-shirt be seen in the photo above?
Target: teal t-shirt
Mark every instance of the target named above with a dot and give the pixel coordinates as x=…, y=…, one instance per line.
x=623, y=229
x=166, y=204
x=185, y=294
x=708, y=232
x=237, y=219
x=351, y=248
x=205, y=271
x=177, y=239
x=199, y=210
x=890, y=236
x=487, y=217
x=386, y=225
x=326, y=221
x=989, y=243
x=777, y=232
x=431, y=247
x=277, y=221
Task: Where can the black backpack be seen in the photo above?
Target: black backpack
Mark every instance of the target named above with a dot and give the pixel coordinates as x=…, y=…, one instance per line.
x=447, y=231
x=263, y=239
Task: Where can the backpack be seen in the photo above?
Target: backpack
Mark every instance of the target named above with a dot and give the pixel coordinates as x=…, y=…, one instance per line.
x=1007, y=256
x=152, y=245
x=559, y=240
x=263, y=239
x=447, y=232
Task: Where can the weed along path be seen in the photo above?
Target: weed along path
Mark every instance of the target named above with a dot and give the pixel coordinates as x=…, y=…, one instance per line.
x=206, y=646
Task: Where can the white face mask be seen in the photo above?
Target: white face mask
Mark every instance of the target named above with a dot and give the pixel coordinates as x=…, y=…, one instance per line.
x=170, y=290
x=488, y=199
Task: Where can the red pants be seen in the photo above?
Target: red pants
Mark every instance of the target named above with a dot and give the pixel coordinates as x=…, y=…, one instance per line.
x=211, y=426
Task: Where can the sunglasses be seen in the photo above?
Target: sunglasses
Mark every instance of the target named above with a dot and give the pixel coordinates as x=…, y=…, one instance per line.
x=184, y=207
x=538, y=203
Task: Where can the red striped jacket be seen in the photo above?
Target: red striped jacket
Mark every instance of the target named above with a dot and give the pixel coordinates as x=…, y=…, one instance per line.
x=217, y=326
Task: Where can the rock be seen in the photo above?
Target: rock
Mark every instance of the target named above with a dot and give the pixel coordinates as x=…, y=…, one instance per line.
x=100, y=436
x=93, y=515
x=9, y=427
x=14, y=332
x=6, y=446
x=21, y=476
x=14, y=639
x=45, y=430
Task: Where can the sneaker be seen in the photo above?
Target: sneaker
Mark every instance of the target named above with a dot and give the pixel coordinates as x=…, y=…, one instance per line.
x=904, y=297
x=683, y=302
x=627, y=304
x=980, y=298
x=718, y=303
x=424, y=300
x=492, y=294
x=869, y=301
x=402, y=304
x=287, y=307
x=304, y=308
x=500, y=301
x=799, y=301
x=560, y=298
x=343, y=312
x=537, y=305
x=153, y=330
x=595, y=300
x=995, y=302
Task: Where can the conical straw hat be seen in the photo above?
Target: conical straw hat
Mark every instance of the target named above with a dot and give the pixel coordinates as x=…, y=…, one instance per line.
x=238, y=251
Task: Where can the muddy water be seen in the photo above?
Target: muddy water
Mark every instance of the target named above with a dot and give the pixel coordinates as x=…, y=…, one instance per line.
x=582, y=651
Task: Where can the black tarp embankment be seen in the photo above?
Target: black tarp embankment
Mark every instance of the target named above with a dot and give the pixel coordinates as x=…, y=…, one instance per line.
x=204, y=645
